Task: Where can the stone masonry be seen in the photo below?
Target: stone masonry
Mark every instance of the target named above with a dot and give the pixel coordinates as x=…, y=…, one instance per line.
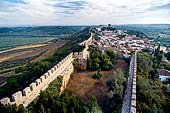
x=129, y=101
x=63, y=68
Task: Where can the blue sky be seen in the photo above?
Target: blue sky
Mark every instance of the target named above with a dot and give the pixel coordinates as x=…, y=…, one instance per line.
x=83, y=12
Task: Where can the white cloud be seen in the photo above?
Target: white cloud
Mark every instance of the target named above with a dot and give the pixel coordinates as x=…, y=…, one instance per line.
x=82, y=12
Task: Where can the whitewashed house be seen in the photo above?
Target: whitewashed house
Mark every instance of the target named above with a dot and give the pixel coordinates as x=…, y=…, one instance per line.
x=164, y=75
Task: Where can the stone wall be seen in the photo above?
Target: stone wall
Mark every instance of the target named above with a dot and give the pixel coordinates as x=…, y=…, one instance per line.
x=82, y=56
x=88, y=41
x=129, y=101
x=63, y=68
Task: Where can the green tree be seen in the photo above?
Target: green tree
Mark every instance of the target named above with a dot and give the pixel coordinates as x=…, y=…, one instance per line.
x=112, y=55
x=97, y=60
x=106, y=63
x=40, y=67
x=152, y=95
x=153, y=109
x=94, y=108
x=116, y=84
x=168, y=56
x=166, y=66
x=97, y=75
x=76, y=66
x=158, y=55
x=41, y=110
x=13, y=109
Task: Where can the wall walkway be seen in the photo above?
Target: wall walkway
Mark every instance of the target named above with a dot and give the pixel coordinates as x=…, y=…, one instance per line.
x=129, y=101
x=63, y=68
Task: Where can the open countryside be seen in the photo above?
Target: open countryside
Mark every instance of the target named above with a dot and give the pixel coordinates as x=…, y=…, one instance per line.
x=11, y=43
x=23, y=47
x=84, y=56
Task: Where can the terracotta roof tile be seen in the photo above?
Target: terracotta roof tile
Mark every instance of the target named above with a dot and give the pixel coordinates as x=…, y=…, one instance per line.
x=164, y=72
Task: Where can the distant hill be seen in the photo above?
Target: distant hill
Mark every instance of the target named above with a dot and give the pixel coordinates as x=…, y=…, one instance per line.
x=149, y=29
x=159, y=32
x=40, y=31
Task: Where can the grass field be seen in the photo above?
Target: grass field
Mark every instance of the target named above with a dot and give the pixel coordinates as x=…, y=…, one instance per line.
x=9, y=43
x=24, y=47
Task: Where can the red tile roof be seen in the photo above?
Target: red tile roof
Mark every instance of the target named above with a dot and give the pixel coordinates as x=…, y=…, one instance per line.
x=164, y=72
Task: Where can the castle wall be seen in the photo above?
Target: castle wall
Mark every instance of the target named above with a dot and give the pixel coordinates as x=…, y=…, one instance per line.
x=66, y=78
x=88, y=41
x=129, y=102
x=5, y=101
x=82, y=58
x=63, y=68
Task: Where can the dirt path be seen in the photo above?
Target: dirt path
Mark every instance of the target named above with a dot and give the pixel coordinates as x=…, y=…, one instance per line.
x=85, y=87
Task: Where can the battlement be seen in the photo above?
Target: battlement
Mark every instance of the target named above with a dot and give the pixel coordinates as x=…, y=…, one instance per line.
x=63, y=68
x=88, y=41
x=26, y=96
x=84, y=54
x=129, y=102
x=77, y=55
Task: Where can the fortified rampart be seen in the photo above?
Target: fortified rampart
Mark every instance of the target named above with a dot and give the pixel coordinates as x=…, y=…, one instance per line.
x=88, y=41
x=82, y=56
x=129, y=101
x=63, y=68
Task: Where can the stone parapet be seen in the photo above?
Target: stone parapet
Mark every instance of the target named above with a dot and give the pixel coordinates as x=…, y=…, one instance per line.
x=129, y=101
x=63, y=68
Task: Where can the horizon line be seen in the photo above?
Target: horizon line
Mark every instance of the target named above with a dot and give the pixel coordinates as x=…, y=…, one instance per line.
x=79, y=25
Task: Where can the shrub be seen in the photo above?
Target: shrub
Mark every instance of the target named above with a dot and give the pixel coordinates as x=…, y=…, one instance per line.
x=97, y=75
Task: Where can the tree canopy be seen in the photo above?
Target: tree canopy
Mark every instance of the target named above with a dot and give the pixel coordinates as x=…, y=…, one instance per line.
x=152, y=95
x=114, y=97
x=100, y=60
x=168, y=56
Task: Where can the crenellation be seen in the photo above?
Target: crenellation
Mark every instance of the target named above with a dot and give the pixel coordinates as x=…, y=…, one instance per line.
x=63, y=68
x=52, y=70
x=42, y=78
x=33, y=86
x=47, y=75
x=38, y=82
x=129, y=102
x=62, y=61
x=5, y=101
x=88, y=41
x=49, y=72
x=55, y=68
x=70, y=55
x=27, y=91
x=134, y=91
x=65, y=59
x=17, y=97
x=60, y=64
